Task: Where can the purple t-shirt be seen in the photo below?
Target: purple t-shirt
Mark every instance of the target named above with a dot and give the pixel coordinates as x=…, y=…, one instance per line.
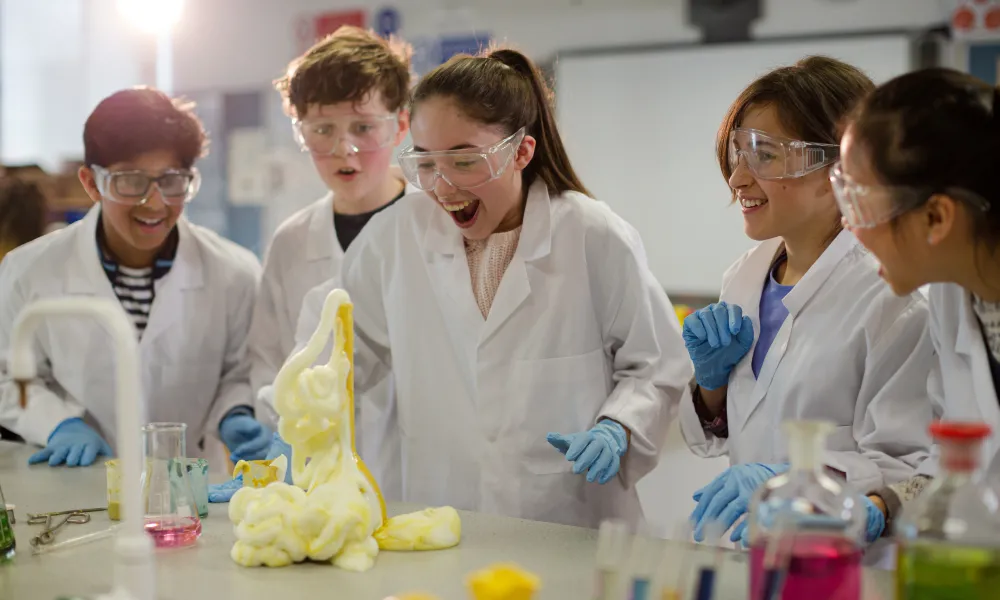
x=772, y=315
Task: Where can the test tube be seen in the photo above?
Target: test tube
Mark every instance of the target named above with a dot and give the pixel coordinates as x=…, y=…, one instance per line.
x=646, y=552
x=75, y=541
x=708, y=575
x=612, y=548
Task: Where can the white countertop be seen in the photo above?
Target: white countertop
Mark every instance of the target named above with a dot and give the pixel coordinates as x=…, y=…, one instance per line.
x=563, y=557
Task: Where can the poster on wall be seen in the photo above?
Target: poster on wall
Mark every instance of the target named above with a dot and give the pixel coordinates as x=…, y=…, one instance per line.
x=984, y=62
x=431, y=52
x=976, y=20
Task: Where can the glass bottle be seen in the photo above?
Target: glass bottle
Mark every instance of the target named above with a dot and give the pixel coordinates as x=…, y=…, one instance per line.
x=806, y=526
x=8, y=544
x=949, y=536
x=171, y=513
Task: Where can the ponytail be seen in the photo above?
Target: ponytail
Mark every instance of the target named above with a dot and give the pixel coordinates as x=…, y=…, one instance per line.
x=503, y=87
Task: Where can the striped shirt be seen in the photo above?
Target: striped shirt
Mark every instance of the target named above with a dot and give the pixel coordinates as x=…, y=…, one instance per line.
x=136, y=288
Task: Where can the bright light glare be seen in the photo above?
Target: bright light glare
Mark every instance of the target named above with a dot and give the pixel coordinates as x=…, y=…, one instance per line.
x=152, y=16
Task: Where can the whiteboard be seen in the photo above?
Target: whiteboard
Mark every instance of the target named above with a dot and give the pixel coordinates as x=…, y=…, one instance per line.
x=640, y=129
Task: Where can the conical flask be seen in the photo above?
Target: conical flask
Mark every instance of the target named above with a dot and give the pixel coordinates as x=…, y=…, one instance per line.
x=171, y=513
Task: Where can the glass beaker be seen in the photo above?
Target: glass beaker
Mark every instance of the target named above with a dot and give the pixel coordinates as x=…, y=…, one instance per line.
x=949, y=536
x=171, y=512
x=806, y=527
x=8, y=545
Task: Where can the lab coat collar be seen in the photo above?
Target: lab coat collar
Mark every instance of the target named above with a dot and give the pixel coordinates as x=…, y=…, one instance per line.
x=970, y=343
x=321, y=239
x=443, y=237
x=85, y=274
x=819, y=272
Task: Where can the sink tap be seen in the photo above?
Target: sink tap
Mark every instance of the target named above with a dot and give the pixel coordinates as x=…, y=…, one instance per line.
x=134, y=566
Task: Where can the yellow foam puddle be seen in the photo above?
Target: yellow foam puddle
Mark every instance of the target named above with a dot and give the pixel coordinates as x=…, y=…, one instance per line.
x=334, y=511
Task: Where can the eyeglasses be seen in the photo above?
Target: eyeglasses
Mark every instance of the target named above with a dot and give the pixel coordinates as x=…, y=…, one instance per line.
x=363, y=134
x=770, y=157
x=864, y=207
x=464, y=169
x=176, y=186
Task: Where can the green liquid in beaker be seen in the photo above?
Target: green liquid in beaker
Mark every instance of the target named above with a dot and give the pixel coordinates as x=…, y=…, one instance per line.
x=940, y=571
x=7, y=543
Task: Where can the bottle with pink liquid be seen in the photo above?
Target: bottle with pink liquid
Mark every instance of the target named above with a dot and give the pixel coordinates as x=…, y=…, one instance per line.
x=170, y=510
x=806, y=527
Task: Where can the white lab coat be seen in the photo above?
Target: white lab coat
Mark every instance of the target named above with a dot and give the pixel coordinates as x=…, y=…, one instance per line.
x=192, y=353
x=850, y=352
x=960, y=382
x=579, y=330
x=303, y=254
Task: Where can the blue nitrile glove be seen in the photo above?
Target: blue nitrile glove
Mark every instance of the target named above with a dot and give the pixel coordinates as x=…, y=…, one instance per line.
x=223, y=492
x=597, y=451
x=717, y=337
x=72, y=442
x=245, y=437
x=279, y=447
x=876, y=521
x=727, y=497
x=801, y=522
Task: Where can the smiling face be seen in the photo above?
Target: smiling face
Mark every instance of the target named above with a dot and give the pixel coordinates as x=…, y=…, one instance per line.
x=781, y=207
x=135, y=232
x=353, y=176
x=498, y=205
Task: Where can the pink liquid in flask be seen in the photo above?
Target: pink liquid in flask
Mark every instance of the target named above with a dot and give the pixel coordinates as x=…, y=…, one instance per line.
x=821, y=568
x=174, y=532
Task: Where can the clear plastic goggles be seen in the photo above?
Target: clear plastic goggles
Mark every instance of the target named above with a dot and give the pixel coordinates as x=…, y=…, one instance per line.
x=176, y=186
x=865, y=206
x=463, y=169
x=326, y=136
x=770, y=157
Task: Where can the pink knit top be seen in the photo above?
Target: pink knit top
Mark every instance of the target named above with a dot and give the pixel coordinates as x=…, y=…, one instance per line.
x=488, y=260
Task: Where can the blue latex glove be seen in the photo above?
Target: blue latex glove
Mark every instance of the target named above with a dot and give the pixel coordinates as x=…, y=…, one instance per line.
x=223, y=492
x=873, y=530
x=245, y=437
x=727, y=497
x=876, y=521
x=72, y=442
x=717, y=337
x=598, y=451
x=279, y=447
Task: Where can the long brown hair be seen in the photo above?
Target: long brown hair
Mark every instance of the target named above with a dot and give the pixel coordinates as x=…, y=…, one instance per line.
x=502, y=87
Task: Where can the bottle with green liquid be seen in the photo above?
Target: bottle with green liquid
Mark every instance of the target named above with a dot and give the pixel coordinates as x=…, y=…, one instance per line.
x=7, y=543
x=949, y=537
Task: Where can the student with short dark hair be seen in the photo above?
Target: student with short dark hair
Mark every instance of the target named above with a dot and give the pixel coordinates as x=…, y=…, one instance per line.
x=188, y=292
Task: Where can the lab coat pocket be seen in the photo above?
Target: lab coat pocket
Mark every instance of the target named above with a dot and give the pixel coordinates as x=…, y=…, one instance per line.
x=556, y=395
x=185, y=394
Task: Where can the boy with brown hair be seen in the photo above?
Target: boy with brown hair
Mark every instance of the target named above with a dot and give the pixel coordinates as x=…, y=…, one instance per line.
x=346, y=96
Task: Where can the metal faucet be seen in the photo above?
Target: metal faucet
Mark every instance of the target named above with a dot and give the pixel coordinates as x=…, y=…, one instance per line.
x=134, y=564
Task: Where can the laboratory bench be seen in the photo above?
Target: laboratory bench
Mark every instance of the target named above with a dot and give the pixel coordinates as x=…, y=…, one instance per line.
x=563, y=557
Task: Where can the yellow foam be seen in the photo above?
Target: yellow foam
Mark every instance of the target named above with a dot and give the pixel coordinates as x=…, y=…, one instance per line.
x=429, y=529
x=503, y=582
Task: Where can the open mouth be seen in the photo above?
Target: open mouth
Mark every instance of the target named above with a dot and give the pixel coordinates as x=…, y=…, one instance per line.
x=149, y=223
x=463, y=213
x=752, y=204
x=347, y=172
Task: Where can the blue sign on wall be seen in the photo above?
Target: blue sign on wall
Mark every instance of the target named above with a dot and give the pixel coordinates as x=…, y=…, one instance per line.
x=984, y=62
x=387, y=22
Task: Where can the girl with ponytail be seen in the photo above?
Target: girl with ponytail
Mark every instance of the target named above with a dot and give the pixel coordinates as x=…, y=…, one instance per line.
x=535, y=359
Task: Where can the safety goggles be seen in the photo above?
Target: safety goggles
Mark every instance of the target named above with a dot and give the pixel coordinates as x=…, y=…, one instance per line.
x=770, y=157
x=463, y=169
x=865, y=206
x=176, y=186
x=327, y=136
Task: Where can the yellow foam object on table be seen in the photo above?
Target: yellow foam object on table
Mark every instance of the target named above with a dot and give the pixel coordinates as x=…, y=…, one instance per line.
x=503, y=582
x=413, y=597
x=261, y=473
x=429, y=529
x=335, y=509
